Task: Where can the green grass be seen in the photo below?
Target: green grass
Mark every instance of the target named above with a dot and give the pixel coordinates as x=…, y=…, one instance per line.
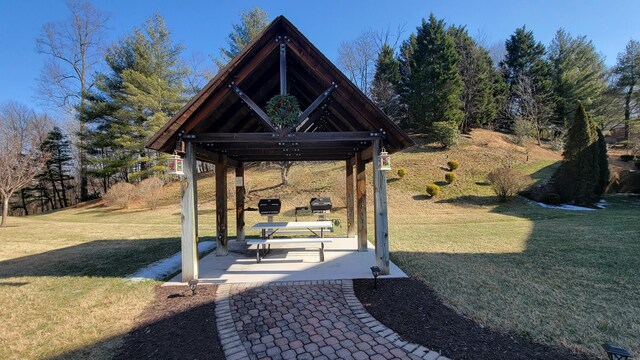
x=62, y=286
x=560, y=277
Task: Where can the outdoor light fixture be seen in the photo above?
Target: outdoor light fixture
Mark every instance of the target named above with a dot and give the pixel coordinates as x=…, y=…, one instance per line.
x=193, y=283
x=375, y=271
x=615, y=351
x=175, y=165
x=385, y=160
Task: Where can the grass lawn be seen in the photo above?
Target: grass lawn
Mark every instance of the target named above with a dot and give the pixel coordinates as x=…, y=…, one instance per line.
x=559, y=277
x=61, y=278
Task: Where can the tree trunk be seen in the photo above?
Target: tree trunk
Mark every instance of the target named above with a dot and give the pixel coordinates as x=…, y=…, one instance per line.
x=24, y=202
x=62, y=186
x=285, y=166
x=627, y=112
x=5, y=209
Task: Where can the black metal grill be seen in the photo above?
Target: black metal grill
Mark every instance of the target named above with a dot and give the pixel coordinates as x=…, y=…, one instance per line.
x=321, y=205
x=269, y=206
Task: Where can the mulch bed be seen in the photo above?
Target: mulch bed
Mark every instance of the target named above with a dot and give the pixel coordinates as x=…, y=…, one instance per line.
x=175, y=325
x=414, y=311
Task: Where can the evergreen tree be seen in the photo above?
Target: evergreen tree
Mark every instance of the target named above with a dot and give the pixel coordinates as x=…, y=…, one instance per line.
x=628, y=71
x=581, y=177
x=603, y=164
x=578, y=75
x=434, y=84
x=475, y=68
x=404, y=68
x=143, y=89
x=385, y=82
x=525, y=59
x=56, y=173
x=251, y=24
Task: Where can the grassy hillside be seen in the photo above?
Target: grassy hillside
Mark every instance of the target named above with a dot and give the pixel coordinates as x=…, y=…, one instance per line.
x=548, y=274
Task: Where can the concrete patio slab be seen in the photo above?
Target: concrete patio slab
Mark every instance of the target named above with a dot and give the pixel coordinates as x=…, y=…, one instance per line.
x=289, y=262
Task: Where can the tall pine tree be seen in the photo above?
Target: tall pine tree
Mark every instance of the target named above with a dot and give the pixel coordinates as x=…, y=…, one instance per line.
x=57, y=171
x=578, y=74
x=385, y=83
x=252, y=22
x=475, y=68
x=143, y=89
x=525, y=62
x=627, y=70
x=433, y=85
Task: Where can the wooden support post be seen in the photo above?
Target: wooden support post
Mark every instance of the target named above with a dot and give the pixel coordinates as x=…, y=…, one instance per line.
x=351, y=226
x=361, y=195
x=221, y=205
x=380, y=208
x=283, y=68
x=240, y=202
x=189, y=203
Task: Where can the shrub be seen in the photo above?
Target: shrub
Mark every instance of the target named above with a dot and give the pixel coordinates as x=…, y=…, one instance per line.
x=402, y=172
x=150, y=191
x=119, y=195
x=507, y=182
x=551, y=199
x=522, y=130
x=433, y=190
x=450, y=177
x=446, y=133
x=453, y=164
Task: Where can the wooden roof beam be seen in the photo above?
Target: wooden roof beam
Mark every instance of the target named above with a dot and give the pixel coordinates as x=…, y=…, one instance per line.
x=274, y=137
x=262, y=116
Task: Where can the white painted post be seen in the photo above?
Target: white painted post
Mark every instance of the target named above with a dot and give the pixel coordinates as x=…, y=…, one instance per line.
x=380, y=208
x=189, y=242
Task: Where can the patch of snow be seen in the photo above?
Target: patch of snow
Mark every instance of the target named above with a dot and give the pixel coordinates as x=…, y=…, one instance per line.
x=162, y=268
x=600, y=205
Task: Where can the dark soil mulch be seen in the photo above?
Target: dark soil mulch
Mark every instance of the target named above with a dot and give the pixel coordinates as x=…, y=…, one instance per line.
x=413, y=310
x=176, y=325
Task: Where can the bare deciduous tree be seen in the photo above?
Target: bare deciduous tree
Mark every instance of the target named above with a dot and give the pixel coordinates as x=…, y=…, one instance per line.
x=357, y=59
x=531, y=107
x=73, y=48
x=21, y=159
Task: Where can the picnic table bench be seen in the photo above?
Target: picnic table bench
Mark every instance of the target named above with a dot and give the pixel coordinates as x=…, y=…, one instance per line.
x=268, y=229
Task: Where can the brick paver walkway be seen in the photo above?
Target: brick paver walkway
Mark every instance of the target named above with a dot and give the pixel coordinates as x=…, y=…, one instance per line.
x=305, y=320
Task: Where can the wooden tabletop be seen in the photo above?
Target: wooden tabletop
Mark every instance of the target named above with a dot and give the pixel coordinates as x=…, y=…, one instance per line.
x=293, y=225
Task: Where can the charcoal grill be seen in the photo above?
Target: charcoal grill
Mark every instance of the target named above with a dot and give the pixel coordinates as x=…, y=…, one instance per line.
x=269, y=206
x=320, y=206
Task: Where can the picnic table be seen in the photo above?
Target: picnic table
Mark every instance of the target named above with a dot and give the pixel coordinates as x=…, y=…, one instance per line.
x=268, y=229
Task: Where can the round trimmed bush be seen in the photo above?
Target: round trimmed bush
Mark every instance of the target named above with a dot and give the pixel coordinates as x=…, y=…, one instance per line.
x=433, y=190
x=450, y=177
x=402, y=172
x=453, y=164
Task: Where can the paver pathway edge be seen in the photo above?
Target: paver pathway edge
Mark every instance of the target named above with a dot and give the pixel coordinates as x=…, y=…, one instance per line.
x=234, y=348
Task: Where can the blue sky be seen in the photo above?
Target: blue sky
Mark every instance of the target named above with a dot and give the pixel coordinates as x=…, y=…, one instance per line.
x=202, y=26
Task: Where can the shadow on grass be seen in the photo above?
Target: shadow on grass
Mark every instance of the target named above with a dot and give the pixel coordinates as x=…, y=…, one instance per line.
x=421, y=197
x=100, y=258
x=392, y=180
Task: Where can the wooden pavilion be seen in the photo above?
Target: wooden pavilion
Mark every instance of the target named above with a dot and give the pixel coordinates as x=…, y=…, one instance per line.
x=225, y=124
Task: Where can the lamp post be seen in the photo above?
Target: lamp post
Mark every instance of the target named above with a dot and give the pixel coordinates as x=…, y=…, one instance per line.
x=193, y=284
x=375, y=271
x=616, y=352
